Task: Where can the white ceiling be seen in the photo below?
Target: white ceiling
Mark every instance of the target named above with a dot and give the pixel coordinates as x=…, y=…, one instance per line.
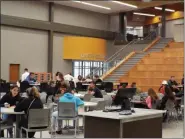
x=114, y=6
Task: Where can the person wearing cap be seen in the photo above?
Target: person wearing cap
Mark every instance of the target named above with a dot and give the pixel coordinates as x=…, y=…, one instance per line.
x=162, y=87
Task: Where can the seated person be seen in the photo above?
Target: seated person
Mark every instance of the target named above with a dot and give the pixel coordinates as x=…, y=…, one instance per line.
x=79, y=78
x=31, y=78
x=67, y=97
x=32, y=102
x=97, y=79
x=96, y=92
x=173, y=84
x=162, y=87
x=11, y=99
x=152, y=98
x=133, y=85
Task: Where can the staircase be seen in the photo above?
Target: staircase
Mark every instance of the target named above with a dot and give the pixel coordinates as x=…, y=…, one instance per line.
x=139, y=54
x=157, y=66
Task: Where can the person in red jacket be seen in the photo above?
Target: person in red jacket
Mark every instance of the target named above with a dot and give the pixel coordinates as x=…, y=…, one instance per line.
x=162, y=87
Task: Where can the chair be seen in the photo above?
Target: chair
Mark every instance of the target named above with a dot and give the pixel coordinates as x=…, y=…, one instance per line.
x=103, y=92
x=87, y=97
x=6, y=127
x=44, y=87
x=79, y=86
x=100, y=106
x=108, y=87
x=43, y=97
x=171, y=110
x=24, y=86
x=67, y=111
x=38, y=121
x=72, y=85
x=108, y=100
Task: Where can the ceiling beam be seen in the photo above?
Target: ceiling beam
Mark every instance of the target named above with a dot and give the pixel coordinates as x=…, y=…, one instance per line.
x=56, y=27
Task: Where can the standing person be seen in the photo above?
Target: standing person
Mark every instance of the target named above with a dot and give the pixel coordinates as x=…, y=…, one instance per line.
x=10, y=100
x=67, y=97
x=96, y=92
x=32, y=102
x=152, y=98
x=24, y=75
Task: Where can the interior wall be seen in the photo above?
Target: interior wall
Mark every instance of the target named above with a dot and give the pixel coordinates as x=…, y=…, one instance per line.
x=25, y=47
x=26, y=9
x=114, y=23
x=170, y=27
x=179, y=32
x=64, y=66
x=81, y=18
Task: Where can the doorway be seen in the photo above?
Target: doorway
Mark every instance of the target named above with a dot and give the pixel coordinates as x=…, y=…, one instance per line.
x=14, y=72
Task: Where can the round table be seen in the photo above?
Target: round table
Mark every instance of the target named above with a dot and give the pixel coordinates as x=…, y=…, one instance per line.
x=80, y=95
x=18, y=117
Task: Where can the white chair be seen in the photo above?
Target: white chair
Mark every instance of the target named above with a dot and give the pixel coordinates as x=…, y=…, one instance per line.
x=87, y=97
x=37, y=118
x=6, y=127
x=100, y=106
x=171, y=110
x=67, y=111
x=108, y=100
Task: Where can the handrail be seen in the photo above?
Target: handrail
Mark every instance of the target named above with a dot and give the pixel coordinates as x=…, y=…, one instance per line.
x=114, y=56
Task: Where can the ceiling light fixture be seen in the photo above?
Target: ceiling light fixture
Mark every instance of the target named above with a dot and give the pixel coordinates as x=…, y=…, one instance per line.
x=143, y=14
x=125, y=4
x=160, y=8
x=94, y=5
x=129, y=27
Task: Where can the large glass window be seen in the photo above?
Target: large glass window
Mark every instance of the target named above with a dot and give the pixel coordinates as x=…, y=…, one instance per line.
x=85, y=68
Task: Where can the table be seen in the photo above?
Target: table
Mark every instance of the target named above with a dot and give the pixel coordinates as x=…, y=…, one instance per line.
x=111, y=94
x=79, y=95
x=35, y=84
x=18, y=117
x=86, y=104
x=144, y=123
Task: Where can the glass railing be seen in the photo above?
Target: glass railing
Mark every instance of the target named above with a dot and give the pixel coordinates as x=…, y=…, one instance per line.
x=117, y=57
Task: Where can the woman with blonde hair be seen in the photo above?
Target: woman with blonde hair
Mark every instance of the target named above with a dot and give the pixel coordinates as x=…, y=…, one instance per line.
x=152, y=98
x=32, y=102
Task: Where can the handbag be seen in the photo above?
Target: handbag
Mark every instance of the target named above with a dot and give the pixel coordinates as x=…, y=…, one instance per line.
x=26, y=115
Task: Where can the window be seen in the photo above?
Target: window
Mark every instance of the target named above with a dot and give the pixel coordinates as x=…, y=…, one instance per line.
x=85, y=68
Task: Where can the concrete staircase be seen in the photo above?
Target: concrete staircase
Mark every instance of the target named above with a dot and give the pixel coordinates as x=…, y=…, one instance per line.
x=131, y=62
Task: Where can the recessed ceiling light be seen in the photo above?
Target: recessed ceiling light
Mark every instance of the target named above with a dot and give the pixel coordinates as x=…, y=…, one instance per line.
x=94, y=5
x=160, y=8
x=125, y=4
x=143, y=14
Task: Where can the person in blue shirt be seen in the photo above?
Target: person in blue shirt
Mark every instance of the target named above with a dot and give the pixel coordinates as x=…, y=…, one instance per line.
x=67, y=97
x=30, y=78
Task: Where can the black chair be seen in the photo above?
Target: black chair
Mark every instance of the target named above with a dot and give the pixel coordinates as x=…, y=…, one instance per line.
x=108, y=87
x=24, y=86
x=44, y=87
x=72, y=85
x=100, y=85
x=5, y=87
x=79, y=86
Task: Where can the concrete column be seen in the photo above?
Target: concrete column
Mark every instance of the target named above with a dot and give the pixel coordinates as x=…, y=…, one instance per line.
x=123, y=25
x=50, y=38
x=163, y=21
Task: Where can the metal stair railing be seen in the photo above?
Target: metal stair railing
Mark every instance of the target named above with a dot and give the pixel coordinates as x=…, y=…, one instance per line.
x=117, y=57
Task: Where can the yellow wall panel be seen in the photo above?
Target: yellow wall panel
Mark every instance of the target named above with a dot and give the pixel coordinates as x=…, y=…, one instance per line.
x=84, y=48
